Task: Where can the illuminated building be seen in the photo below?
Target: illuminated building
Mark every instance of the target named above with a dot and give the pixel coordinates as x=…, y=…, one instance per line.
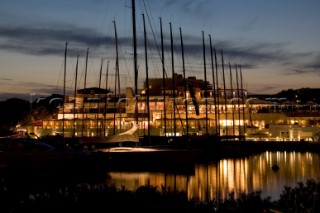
x=95, y=112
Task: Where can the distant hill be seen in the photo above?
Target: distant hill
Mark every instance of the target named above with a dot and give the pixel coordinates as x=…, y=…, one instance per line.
x=16, y=110
x=12, y=111
x=300, y=96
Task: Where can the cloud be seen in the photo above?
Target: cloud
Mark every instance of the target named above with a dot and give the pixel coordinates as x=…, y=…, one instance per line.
x=314, y=63
x=6, y=95
x=6, y=79
x=250, y=25
x=299, y=72
x=261, y=89
x=43, y=89
x=48, y=41
x=249, y=55
x=315, y=66
x=197, y=8
x=310, y=67
x=26, y=89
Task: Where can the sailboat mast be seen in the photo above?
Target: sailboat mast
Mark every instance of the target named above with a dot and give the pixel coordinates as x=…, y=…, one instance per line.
x=163, y=82
x=238, y=98
x=98, y=111
x=117, y=71
x=75, y=99
x=106, y=101
x=100, y=73
x=173, y=84
x=224, y=92
x=185, y=84
x=205, y=81
x=135, y=60
x=232, y=98
x=243, y=101
x=147, y=74
x=214, y=86
x=64, y=85
x=84, y=93
x=217, y=85
x=116, y=78
x=114, y=104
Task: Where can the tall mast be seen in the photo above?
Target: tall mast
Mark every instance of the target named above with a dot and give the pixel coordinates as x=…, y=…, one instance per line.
x=163, y=82
x=64, y=85
x=217, y=85
x=185, y=85
x=116, y=79
x=106, y=101
x=173, y=84
x=98, y=111
x=243, y=101
x=232, y=97
x=214, y=86
x=238, y=98
x=117, y=72
x=205, y=81
x=75, y=99
x=147, y=75
x=114, y=104
x=135, y=60
x=224, y=92
x=84, y=92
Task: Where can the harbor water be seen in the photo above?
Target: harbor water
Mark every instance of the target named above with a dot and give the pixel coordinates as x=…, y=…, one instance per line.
x=231, y=175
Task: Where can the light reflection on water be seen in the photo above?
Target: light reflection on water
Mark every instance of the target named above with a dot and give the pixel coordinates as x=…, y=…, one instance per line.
x=241, y=175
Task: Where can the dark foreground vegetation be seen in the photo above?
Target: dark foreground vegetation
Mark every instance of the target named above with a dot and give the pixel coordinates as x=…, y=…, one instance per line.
x=101, y=198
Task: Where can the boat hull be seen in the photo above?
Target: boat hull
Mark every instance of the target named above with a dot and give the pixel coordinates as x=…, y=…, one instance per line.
x=151, y=159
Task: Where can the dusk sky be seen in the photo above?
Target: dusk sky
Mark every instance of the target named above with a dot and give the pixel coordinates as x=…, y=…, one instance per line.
x=276, y=42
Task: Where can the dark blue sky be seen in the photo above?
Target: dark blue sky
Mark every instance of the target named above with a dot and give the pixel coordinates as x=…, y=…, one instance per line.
x=275, y=41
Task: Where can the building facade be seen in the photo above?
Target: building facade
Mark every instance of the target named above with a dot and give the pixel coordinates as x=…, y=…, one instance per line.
x=183, y=108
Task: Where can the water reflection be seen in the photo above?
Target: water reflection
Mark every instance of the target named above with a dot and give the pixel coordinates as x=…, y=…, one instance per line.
x=242, y=175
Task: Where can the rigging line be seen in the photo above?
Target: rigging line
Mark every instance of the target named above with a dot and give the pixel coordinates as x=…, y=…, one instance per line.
x=92, y=69
x=106, y=11
x=154, y=62
x=154, y=37
x=177, y=54
x=101, y=32
x=126, y=66
x=61, y=68
x=190, y=67
x=82, y=72
x=70, y=61
x=156, y=42
x=72, y=68
x=122, y=56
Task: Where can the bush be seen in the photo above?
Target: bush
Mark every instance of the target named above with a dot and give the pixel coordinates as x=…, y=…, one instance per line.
x=101, y=198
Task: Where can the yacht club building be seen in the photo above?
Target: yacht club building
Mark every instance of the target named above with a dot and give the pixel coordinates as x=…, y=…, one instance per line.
x=177, y=109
